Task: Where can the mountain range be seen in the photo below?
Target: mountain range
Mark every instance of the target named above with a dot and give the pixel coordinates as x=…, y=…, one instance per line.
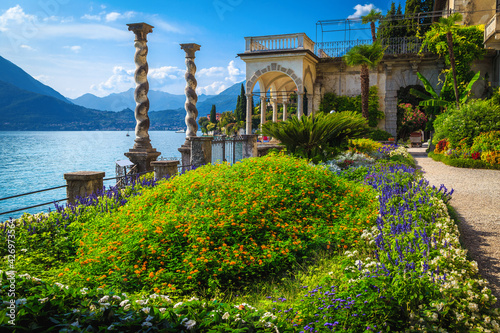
x=27, y=104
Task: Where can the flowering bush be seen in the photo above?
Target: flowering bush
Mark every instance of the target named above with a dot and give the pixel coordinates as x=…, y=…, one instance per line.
x=366, y=146
x=441, y=147
x=221, y=225
x=413, y=118
x=487, y=141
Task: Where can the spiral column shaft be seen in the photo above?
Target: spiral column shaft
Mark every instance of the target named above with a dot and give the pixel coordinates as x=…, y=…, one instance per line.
x=143, y=153
x=142, y=140
x=190, y=90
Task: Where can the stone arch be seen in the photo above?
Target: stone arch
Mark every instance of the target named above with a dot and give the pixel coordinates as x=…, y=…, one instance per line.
x=274, y=67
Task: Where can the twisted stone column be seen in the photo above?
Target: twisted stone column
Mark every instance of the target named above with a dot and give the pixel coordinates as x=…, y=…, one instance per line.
x=140, y=30
x=190, y=90
x=143, y=153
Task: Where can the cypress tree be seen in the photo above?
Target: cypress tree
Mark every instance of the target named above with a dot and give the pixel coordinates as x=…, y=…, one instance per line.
x=386, y=25
x=243, y=107
x=237, y=110
x=213, y=117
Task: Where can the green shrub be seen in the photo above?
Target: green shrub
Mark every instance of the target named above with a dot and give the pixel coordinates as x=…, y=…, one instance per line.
x=364, y=145
x=319, y=137
x=469, y=121
x=463, y=162
x=222, y=226
x=331, y=101
x=380, y=135
x=488, y=141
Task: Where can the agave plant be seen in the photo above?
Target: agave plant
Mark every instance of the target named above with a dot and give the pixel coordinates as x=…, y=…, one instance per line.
x=320, y=137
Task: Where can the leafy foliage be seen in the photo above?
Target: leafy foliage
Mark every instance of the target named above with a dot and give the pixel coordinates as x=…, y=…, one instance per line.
x=468, y=122
x=331, y=101
x=319, y=137
x=221, y=226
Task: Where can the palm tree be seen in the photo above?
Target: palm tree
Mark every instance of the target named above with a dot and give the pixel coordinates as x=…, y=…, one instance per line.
x=372, y=17
x=366, y=56
x=446, y=25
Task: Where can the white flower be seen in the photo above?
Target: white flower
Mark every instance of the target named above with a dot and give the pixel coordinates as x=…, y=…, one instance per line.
x=76, y=310
x=166, y=298
x=177, y=304
x=141, y=302
x=111, y=327
x=162, y=310
x=487, y=319
x=118, y=298
x=84, y=291
x=75, y=324
x=104, y=299
x=154, y=296
x=435, y=316
x=149, y=318
x=147, y=323
x=189, y=324
x=473, y=307
x=193, y=299
x=225, y=316
x=43, y=300
x=92, y=307
x=126, y=307
x=145, y=310
x=123, y=303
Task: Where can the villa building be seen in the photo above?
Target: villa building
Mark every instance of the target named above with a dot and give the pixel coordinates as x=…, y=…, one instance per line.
x=293, y=63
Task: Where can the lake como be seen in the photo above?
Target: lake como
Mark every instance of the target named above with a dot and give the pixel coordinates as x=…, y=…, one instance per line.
x=31, y=161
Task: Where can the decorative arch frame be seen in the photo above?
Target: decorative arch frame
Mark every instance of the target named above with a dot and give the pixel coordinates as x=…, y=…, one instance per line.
x=274, y=67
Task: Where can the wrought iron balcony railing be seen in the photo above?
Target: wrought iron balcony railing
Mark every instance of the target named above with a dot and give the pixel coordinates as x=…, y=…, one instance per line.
x=395, y=45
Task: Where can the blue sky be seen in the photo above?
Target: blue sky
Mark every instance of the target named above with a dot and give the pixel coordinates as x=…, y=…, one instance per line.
x=80, y=47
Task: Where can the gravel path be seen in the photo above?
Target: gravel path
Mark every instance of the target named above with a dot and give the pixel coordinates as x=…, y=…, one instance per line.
x=477, y=202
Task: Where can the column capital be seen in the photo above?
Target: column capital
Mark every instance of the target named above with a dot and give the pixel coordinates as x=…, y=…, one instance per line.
x=249, y=95
x=140, y=30
x=190, y=49
x=301, y=93
x=263, y=98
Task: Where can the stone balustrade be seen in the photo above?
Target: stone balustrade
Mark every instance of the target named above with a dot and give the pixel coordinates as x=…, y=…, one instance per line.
x=298, y=41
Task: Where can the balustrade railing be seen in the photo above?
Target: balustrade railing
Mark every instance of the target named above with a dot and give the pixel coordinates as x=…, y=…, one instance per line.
x=279, y=42
x=395, y=45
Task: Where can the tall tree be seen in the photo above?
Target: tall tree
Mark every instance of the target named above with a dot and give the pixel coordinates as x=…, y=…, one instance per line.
x=213, y=116
x=386, y=25
x=446, y=26
x=367, y=56
x=238, y=108
x=242, y=110
x=415, y=21
x=372, y=17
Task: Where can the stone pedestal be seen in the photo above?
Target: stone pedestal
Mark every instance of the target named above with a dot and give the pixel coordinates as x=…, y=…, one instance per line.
x=83, y=183
x=201, y=150
x=142, y=158
x=250, y=145
x=185, y=151
x=165, y=169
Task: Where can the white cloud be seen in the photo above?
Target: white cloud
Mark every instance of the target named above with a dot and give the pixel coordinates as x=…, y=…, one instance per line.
x=121, y=80
x=212, y=89
x=162, y=73
x=74, y=48
x=212, y=71
x=361, y=10
x=113, y=16
x=14, y=16
x=26, y=47
x=91, y=17
x=235, y=74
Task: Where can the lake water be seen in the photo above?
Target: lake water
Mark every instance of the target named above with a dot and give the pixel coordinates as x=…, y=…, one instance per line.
x=31, y=161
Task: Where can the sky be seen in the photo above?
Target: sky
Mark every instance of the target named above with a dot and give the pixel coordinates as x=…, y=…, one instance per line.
x=79, y=47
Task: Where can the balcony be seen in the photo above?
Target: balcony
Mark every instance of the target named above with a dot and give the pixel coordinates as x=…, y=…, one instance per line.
x=492, y=33
x=275, y=43
x=395, y=46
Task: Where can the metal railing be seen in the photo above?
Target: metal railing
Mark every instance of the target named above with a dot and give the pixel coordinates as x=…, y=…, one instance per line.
x=227, y=149
x=395, y=45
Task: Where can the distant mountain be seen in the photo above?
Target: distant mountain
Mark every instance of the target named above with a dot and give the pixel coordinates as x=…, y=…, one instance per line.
x=14, y=75
x=225, y=101
x=158, y=100
x=24, y=110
